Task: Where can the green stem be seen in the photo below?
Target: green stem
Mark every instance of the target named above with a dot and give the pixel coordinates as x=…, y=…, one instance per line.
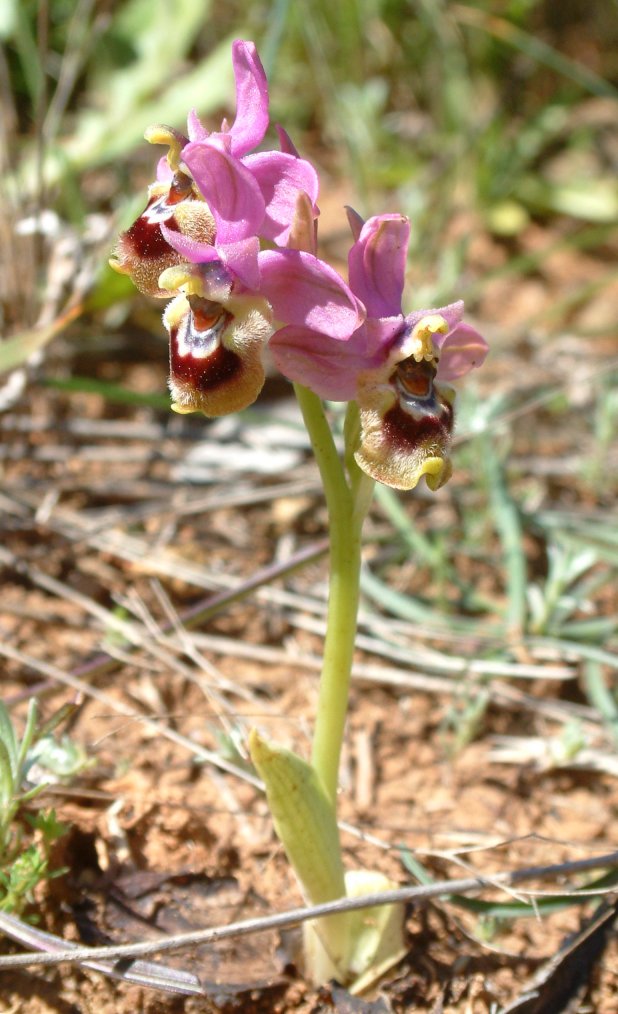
x=336, y=489
x=347, y=506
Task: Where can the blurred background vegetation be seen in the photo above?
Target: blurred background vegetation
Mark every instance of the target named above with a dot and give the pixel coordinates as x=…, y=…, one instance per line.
x=505, y=110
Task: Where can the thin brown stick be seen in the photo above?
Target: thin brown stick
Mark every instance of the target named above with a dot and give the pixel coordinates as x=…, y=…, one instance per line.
x=284, y=920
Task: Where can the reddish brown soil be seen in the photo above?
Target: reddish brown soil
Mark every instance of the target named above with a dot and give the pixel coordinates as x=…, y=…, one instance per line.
x=159, y=843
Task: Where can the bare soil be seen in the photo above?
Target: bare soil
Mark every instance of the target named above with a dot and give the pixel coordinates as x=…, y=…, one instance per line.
x=115, y=515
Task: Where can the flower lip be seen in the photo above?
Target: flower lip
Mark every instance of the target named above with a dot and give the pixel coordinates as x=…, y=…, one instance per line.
x=143, y=251
x=199, y=360
x=410, y=432
x=145, y=237
x=406, y=425
x=414, y=380
x=208, y=321
x=217, y=334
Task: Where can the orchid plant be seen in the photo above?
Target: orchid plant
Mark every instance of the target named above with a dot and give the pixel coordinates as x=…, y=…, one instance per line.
x=230, y=236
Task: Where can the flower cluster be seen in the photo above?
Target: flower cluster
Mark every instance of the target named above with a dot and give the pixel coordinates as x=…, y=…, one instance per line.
x=231, y=235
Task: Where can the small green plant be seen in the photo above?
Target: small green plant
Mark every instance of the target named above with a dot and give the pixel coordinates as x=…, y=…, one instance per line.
x=26, y=839
x=563, y=593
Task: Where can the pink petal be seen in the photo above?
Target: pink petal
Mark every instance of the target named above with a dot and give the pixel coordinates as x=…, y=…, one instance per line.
x=452, y=315
x=242, y=260
x=229, y=189
x=463, y=349
x=380, y=335
x=164, y=172
x=251, y=121
x=195, y=128
x=377, y=263
x=305, y=291
x=285, y=142
x=192, y=249
x=355, y=222
x=281, y=178
x=316, y=361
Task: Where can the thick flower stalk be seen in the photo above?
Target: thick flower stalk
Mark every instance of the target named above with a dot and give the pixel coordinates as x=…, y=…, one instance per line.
x=230, y=234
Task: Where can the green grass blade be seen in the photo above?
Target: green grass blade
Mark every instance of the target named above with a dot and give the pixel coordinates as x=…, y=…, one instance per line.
x=509, y=530
x=408, y=608
x=600, y=697
x=111, y=392
x=16, y=351
x=28, y=737
x=7, y=790
x=9, y=740
x=420, y=547
x=512, y=909
x=535, y=49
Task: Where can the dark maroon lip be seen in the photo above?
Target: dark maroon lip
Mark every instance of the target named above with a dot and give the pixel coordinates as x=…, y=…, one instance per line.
x=203, y=373
x=410, y=430
x=145, y=238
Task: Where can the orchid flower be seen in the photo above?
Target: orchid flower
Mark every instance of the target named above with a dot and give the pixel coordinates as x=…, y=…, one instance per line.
x=217, y=332
x=143, y=252
x=212, y=200
x=218, y=327
x=392, y=365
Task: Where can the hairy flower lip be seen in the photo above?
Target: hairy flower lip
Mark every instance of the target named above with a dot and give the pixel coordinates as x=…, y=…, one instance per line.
x=143, y=251
x=406, y=425
x=215, y=347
